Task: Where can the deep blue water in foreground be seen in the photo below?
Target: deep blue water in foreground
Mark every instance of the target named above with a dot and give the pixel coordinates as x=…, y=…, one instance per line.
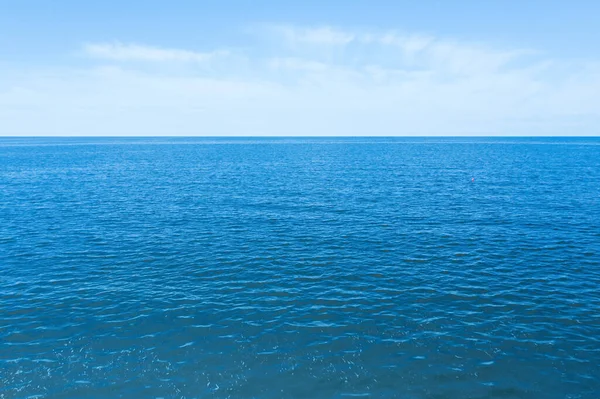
x=300, y=268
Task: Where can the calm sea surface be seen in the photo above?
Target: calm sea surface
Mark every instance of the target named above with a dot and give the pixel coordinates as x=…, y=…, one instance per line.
x=300, y=268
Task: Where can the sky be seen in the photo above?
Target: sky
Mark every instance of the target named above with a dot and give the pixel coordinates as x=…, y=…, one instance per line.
x=310, y=68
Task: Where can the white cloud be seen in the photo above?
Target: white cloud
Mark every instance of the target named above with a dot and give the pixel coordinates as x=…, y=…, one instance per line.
x=297, y=64
x=318, y=82
x=401, y=50
x=134, y=52
x=321, y=36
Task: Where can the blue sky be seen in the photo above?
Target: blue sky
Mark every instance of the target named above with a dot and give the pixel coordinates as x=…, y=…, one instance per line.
x=299, y=68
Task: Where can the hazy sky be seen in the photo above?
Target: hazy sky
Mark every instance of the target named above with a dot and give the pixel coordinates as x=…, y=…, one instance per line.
x=340, y=67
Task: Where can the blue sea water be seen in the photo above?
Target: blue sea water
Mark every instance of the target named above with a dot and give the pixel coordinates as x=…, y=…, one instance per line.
x=300, y=268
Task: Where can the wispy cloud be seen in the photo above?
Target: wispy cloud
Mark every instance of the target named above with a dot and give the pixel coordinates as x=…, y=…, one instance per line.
x=321, y=36
x=397, y=49
x=303, y=80
x=297, y=64
x=135, y=52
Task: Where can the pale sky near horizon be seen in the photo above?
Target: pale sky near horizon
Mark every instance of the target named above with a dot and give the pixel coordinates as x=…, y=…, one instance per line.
x=265, y=67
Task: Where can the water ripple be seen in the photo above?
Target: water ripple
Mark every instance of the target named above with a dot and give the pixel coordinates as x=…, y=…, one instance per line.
x=304, y=268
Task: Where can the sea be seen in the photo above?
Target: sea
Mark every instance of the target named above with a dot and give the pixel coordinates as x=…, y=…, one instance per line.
x=300, y=267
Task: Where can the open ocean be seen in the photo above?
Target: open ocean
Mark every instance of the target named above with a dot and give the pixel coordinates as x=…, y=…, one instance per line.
x=300, y=268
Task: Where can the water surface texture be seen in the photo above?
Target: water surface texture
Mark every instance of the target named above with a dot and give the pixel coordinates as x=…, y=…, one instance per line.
x=300, y=268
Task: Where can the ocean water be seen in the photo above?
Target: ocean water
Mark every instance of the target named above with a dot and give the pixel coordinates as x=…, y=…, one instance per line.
x=299, y=268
